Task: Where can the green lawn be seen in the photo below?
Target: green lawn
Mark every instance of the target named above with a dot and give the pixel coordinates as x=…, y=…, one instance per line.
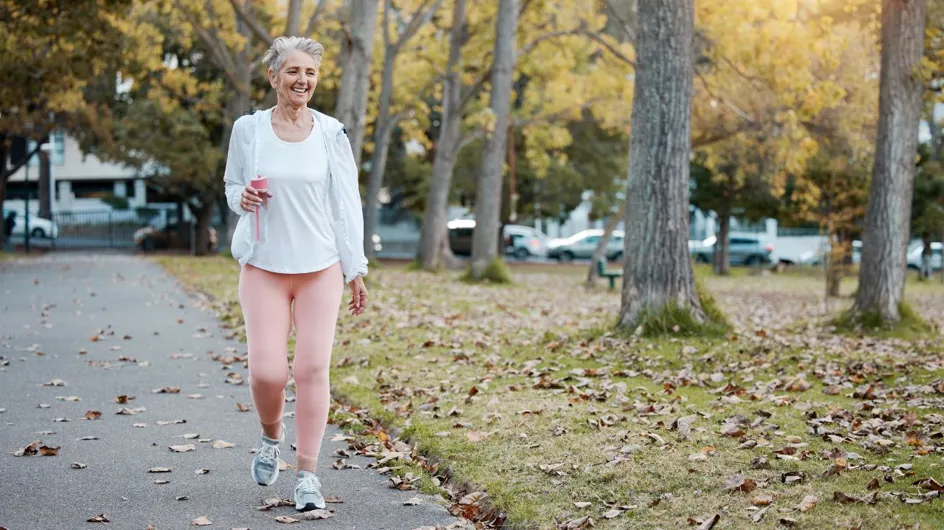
x=523, y=392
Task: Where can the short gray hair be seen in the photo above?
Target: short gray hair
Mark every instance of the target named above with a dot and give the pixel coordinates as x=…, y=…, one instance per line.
x=281, y=47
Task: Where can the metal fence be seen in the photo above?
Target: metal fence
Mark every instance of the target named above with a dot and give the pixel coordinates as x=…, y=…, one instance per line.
x=105, y=229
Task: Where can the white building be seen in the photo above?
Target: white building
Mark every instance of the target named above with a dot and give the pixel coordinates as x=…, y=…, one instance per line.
x=79, y=181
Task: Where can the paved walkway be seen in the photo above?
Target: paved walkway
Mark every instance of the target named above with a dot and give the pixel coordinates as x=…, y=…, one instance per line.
x=111, y=325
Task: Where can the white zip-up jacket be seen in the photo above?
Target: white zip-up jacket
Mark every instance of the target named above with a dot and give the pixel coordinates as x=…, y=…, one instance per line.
x=348, y=221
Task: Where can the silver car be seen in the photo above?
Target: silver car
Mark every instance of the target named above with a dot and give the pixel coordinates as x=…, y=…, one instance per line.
x=582, y=244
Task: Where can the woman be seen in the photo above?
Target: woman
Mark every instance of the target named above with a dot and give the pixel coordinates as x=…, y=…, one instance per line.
x=310, y=235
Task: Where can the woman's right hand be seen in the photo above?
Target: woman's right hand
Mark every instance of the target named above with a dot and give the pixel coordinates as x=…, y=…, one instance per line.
x=253, y=198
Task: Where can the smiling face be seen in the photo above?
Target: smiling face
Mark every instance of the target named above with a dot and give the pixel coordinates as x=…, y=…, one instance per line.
x=296, y=80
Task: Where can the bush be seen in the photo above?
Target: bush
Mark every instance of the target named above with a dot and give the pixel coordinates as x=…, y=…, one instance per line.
x=116, y=202
x=496, y=272
x=911, y=324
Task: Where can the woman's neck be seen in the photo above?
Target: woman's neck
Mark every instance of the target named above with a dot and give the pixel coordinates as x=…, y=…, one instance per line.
x=298, y=117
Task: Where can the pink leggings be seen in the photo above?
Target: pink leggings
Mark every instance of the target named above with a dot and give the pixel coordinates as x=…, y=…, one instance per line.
x=266, y=299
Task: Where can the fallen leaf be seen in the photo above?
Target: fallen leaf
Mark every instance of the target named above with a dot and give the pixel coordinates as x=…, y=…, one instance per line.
x=29, y=450
x=333, y=500
x=808, y=503
x=286, y=519
x=241, y=408
x=49, y=451
x=843, y=498
x=477, y=436
x=220, y=444
x=739, y=483
x=166, y=390
x=71, y=399
x=708, y=524
x=201, y=521
x=201, y=471
x=87, y=438
x=413, y=501
x=583, y=504
x=55, y=382
x=182, y=448
x=162, y=481
x=274, y=502
x=762, y=500
x=612, y=514
x=315, y=515
x=79, y=465
x=121, y=400
x=100, y=518
x=874, y=484
x=183, y=498
x=93, y=414
x=159, y=470
x=929, y=484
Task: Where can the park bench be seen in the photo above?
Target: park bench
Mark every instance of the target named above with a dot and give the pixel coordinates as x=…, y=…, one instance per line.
x=611, y=275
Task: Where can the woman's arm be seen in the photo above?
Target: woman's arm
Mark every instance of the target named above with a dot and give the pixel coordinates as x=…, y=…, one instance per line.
x=235, y=175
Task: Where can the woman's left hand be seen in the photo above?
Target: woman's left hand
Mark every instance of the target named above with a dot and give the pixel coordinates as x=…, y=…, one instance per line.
x=358, y=296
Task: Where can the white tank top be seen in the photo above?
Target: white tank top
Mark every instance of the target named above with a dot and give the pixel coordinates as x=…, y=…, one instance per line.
x=299, y=236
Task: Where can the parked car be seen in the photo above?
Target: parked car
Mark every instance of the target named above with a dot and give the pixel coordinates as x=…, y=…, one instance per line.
x=39, y=227
x=743, y=249
x=914, y=255
x=149, y=238
x=520, y=241
x=582, y=244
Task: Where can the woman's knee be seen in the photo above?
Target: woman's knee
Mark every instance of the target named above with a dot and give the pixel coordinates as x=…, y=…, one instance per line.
x=274, y=375
x=309, y=370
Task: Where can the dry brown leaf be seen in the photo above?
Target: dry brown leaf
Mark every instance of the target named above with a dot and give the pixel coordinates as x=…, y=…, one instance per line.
x=477, y=436
x=201, y=521
x=241, y=408
x=808, y=503
x=93, y=414
x=49, y=451
x=286, y=519
x=29, y=450
x=739, y=483
x=315, y=515
x=710, y=523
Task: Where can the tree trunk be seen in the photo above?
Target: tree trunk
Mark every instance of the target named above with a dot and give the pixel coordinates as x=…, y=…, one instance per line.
x=926, y=251
x=434, y=236
x=935, y=130
x=839, y=252
x=721, y=256
x=355, y=61
x=488, y=189
x=201, y=232
x=3, y=187
x=885, y=239
x=45, y=177
x=599, y=253
x=657, y=268
x=383, y=129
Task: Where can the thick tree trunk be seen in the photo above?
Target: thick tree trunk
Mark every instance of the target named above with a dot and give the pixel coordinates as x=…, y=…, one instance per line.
x=45, y=176
x=3, y=187
x=658, y=268
x=351, y=107
x=488, y=189
x=201, y=232
x=434, y=236
x=383, y=129
x=721, y=257
x=885, y=240
x=599, y=253
x=840, y=249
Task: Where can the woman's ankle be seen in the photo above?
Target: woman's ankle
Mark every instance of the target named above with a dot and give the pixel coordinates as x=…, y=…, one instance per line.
x=273, y=431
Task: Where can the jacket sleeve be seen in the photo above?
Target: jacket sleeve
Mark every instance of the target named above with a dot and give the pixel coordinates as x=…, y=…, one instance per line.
x=235, y=175
x=350, y=199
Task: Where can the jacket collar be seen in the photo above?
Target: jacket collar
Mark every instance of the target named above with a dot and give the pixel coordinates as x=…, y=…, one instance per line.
x=330, y=125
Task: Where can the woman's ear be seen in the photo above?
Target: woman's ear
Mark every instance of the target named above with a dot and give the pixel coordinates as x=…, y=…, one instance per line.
x=272, y=78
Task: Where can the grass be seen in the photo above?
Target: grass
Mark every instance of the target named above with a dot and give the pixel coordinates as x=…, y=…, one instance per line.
x=910, y=326
x=527, y=392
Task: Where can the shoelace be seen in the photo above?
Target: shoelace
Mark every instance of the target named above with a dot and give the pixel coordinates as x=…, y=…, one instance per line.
x=268, y=455
x=308, y=484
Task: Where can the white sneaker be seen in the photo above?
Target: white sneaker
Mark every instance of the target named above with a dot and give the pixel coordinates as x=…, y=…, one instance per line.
x=308, y=492
x=265, y=463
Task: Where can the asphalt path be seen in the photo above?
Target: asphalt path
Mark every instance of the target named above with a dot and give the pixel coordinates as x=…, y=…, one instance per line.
x=110, y=325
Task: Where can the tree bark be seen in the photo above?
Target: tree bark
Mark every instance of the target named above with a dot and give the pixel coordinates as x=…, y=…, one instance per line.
x=885, y=239
x=658, y=268
x=3, y=187
x=434, y=235
x=237, y=105
x=351, y=109
x=840, y=249
x=45, y=175
x=203, y=213
x=383, y=129
x=488, y=189
x=604, y=243
x=721, y=256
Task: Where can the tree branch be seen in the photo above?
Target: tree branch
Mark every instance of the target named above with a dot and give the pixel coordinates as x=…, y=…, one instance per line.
x=292, y=25
x=14, y=168
x=220, y=54
x=251, y=22
x=421, y=17
x=314, y=18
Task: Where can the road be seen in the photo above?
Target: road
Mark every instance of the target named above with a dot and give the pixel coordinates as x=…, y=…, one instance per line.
x=114, y=325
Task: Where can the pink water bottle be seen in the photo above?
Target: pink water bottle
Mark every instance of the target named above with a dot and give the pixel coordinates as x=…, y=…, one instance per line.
x=262, y=184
